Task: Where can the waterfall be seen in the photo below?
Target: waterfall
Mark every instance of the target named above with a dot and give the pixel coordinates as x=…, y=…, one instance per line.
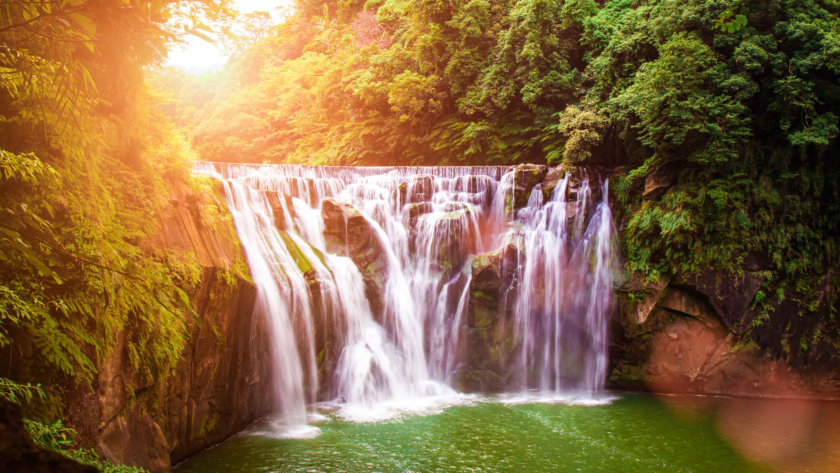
x=365, y=278
x=562, y=309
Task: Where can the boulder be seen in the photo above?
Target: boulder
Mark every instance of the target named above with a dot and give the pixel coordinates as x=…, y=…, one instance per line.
x=415, y=189
x=348, y=232
x=415, y=210
x=551, y=179
x=577, y=176
x=660, y=180
x=525, y=178
x=448, y=237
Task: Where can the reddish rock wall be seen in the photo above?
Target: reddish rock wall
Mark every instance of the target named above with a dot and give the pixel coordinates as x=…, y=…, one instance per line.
x=220, y=384
x=679, y=338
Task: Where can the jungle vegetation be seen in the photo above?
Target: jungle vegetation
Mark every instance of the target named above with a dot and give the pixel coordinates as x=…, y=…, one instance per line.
x=86, y=162
x=737, y=100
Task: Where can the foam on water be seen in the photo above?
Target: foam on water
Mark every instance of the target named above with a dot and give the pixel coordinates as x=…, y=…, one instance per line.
x=278, y=428
x=537, y=397
x=395, y=409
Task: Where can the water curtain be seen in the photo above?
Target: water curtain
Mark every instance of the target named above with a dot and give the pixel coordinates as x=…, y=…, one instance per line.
x=364, y=277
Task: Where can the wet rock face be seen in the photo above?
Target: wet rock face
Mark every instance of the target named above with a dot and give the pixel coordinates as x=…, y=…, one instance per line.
x=415, y=189
x=19, y=454
x=576, y=177
x=550, y=181
x=447, y=238
x=277, y=201
x=525, y=178
x=328, y=331
x=347, y=232
x=489, y=338
x=416, y=210
x=443, y=232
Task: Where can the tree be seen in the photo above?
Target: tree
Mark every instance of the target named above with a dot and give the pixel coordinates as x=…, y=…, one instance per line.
x=83, y=159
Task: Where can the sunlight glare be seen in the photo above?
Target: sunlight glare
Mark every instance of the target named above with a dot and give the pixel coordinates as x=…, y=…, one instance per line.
x=197, y=56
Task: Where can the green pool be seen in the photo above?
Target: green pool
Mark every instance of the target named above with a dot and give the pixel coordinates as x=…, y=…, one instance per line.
x=634, y=433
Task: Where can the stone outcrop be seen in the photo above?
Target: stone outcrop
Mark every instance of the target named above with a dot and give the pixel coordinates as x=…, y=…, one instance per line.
x=454, y=238
x=219, y=386
x=687, y=336
x=488, y=339
x=347, y=232
x=730, y=296
x=525, y=178
x=660, y=180
x=415, y=189
x=278, y=201
x=550, y=181
x=328, y=326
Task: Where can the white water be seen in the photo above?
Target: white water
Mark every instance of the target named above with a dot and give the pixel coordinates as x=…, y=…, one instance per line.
x=429, y=223
x=562, y=309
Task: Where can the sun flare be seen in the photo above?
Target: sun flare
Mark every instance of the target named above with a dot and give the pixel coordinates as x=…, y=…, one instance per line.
x=197, y=55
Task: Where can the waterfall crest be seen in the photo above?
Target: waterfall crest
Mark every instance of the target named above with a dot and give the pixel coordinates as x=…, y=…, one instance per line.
x=367, y=277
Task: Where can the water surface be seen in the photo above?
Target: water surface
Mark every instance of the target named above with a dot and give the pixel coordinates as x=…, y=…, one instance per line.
x=635, y=433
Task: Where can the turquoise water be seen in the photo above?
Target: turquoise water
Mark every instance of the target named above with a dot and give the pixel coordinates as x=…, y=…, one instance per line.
x=635, y=433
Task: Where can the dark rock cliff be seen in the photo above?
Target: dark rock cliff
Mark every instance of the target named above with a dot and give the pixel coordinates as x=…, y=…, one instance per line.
x=488, y=338
x=694, y=335
x=19, y=454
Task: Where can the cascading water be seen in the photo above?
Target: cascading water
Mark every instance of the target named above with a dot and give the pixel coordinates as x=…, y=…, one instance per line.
x=562, y=309
x=281, y=293
x=365, y=277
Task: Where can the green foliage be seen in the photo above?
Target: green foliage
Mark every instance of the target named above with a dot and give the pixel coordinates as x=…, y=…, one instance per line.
x=573, y=137
x=20, y=393
x=681, y=110
x=729, y=22
x=56, y=437
x=86, y=163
